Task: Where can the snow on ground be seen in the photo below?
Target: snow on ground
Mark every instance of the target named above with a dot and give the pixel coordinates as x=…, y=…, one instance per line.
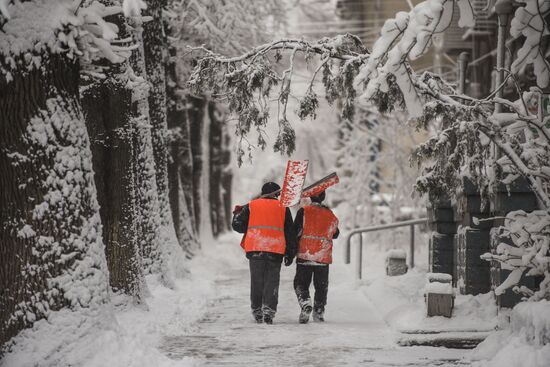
x=206, y=320
x=354, y=333
x=132, y=336
x=526, y=342
x=401, y=299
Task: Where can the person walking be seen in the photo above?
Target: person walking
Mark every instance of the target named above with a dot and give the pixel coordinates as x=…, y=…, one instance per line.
x=268, y=239
x=315, y=226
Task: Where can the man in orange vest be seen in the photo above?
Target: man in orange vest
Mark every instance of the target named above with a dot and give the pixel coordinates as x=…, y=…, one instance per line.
x=315, y=226
x=268, y=238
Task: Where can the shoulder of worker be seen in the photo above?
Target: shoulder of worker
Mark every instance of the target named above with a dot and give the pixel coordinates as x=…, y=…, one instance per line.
x=320, y=205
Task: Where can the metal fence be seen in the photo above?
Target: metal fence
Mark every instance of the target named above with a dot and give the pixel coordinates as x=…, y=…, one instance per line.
x=360, y=231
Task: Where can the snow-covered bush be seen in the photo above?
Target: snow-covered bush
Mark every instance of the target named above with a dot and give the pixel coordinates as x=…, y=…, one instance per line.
x=530, y=235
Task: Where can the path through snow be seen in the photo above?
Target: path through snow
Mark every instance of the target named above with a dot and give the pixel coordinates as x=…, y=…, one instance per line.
x=354, y=334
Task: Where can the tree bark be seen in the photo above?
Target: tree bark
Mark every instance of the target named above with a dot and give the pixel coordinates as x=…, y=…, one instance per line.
x=227, y=177
x=155, y=49
x=147, y=199
x=155, y=54
x=107, y=106
x=51, y=253
x=217, y=209
x=195, y=115
x=180, y=163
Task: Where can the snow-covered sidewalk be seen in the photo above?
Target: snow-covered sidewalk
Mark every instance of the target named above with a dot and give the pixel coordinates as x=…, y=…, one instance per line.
x=205, y=320
x=353, y=334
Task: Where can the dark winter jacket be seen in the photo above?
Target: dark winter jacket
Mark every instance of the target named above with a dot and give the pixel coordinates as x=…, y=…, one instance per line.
x=299, y=228
x=240, y=224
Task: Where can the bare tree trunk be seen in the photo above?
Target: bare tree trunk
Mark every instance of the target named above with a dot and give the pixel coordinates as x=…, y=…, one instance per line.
x=217, y=209
x=187, y=169
x=155, y=53
x=218, y=166
x=227, y=177
x=149, y=220
x=180, y=164
x=155, y=49
x=51, y=253
x=107, y=106
x=195, y=115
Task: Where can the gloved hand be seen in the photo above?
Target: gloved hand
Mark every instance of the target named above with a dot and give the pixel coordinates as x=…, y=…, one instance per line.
x=237, y=209
x=288, y=261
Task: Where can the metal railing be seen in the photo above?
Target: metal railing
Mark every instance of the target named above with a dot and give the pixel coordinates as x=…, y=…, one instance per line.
x=360, y=232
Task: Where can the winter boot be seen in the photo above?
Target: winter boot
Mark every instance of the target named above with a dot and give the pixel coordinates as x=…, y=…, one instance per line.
x=304, y=314
x=258, y=316
x=269, y=314
x=319, y=314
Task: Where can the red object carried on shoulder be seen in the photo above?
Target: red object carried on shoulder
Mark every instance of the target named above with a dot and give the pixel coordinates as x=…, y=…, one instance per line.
x=321, y=185
x=295, y=176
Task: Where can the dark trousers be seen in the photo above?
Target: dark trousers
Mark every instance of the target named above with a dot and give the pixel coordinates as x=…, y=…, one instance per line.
x=264, y=285
x=302, y=281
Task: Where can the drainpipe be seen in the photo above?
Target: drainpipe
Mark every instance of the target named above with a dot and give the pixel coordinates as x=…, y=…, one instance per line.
x=463, y=59
x=503, y=9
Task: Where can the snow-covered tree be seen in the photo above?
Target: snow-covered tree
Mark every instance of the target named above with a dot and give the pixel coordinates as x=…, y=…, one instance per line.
x=374, y=169
x=52, y=250
x=108, y=111
x=71, y=70
x=466, y=127
x=195, y=121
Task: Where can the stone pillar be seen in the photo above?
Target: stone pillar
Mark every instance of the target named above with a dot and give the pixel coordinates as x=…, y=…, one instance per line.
x=472, y=240
x=443, y=227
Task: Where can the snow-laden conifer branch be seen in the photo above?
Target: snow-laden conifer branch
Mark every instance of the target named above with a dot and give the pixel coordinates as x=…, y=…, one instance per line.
x=350, y=69
x=247, y=81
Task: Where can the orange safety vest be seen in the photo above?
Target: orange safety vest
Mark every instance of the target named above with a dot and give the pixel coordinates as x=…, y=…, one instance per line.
x=266, y=227
x=320, y=224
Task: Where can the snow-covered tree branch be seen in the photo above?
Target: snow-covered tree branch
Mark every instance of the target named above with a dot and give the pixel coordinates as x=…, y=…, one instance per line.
x=466, y=128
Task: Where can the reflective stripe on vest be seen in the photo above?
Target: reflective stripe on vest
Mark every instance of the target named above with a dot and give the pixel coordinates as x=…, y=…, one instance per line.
x=320, y=238
x=265, y=230
x=268, y=227
x=320, y=224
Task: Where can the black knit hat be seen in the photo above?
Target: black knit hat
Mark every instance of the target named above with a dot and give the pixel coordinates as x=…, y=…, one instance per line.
x=269, y=188
x=319, y=197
